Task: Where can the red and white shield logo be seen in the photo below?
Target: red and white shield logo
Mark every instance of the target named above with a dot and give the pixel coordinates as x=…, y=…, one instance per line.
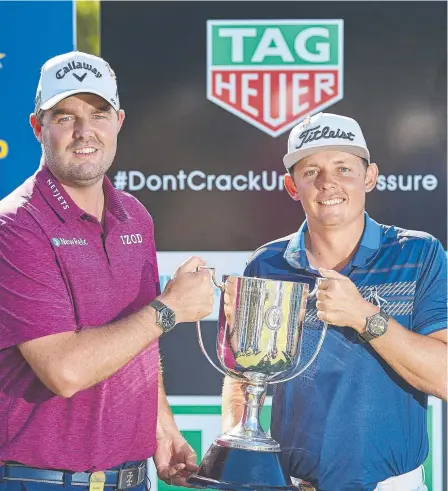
x=273, y=73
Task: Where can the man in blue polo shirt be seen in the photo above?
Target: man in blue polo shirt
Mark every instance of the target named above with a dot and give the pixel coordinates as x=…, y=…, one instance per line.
x=356, y=420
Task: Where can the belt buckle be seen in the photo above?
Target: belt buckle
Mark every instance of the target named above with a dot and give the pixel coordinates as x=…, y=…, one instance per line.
x=130, y=477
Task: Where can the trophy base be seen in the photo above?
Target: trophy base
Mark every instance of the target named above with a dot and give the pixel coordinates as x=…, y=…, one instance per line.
x=237, y=438
x=235, y=469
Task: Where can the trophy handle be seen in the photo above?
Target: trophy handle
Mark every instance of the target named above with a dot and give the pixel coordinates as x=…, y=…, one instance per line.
x=319, y=344
x=316, y=286
x=201, y=345
x=222, y=287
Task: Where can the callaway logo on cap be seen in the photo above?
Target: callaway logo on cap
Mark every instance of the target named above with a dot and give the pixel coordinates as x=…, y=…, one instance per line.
x=73, y=73
x=325, y=131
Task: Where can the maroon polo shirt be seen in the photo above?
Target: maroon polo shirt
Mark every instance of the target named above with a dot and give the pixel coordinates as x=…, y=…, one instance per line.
x=60, y=270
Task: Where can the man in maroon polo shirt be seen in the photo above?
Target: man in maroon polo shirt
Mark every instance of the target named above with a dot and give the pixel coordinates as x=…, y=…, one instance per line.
x=82, y=402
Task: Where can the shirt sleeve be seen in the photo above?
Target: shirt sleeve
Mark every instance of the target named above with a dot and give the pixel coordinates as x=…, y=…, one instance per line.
x=153, y=256
x=430, y=304
x=35, y=301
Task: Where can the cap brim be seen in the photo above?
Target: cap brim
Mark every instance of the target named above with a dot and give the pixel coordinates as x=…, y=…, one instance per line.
x=292, y=158
x=63, y=95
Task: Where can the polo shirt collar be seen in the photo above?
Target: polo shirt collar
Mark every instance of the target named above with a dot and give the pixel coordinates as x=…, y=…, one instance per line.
x=295, y=253
x=369, y=244
x=114, y=202
x=60, y=201
x=55, y=195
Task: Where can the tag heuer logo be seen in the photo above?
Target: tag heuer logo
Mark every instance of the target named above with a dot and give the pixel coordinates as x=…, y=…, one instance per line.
x=273, y=73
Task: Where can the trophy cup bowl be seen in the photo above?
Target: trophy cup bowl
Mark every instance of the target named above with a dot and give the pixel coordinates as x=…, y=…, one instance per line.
x=259, y=342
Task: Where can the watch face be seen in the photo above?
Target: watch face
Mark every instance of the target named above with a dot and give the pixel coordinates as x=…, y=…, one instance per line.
x=377, y=325
x=168, y=318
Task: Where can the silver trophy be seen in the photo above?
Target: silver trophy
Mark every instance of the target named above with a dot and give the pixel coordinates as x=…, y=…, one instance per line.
x=261, y=325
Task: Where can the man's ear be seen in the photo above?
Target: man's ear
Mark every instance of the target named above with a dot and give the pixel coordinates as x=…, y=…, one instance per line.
x=121, y=115
x=291, y=187
x=37, y=127
x=371, y=177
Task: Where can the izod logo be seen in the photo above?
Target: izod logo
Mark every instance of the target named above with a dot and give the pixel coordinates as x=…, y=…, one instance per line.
x=272, y=73
x=131, y=239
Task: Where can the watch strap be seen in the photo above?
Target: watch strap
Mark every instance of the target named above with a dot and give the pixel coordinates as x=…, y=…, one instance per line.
x=365, y=337
x=158, y=305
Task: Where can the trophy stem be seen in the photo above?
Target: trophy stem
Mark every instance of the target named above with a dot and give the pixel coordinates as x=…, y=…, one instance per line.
x=248, y=433
x=250, y=422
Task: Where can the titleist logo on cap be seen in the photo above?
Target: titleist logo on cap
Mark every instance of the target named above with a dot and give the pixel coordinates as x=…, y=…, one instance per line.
x=314, y=134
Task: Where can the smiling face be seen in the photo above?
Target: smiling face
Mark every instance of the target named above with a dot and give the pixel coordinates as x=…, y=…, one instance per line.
x=79, y=138
x=332, y=186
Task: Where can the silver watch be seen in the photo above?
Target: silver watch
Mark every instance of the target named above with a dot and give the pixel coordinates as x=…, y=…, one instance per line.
x=376, y=326
x=165, y=317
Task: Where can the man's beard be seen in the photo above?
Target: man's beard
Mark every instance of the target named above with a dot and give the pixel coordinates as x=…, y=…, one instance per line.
x=80, y=174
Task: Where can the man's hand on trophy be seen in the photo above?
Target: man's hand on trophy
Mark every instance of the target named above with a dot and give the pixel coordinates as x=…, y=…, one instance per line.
x=189, y=292
x=339, y=302
x=174, y=459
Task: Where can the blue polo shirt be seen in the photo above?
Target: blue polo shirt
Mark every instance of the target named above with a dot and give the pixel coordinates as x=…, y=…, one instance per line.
x=350, y=421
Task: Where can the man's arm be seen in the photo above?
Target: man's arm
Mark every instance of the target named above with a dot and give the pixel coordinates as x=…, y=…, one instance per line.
x=419, y=359
x=174, y=458
x=71, y=361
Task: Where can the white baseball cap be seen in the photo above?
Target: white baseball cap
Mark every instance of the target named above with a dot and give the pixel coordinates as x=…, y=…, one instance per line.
x=74, y=73
x=325, y=131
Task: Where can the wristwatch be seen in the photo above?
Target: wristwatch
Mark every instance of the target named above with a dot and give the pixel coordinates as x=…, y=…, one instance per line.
x=376, y=326
x=165, y=317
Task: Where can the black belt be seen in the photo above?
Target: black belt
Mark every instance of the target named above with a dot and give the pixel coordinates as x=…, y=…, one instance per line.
x=119, y=479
